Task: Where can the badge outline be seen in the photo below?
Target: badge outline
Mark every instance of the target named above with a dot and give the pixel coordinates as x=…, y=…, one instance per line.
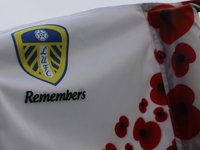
x=67, y=51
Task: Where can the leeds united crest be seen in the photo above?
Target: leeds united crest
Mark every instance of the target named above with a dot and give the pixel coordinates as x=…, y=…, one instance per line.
x=42, y=51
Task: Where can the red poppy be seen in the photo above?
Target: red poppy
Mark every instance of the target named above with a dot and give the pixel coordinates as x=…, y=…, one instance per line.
x=183, y=55
x=160, y=114
x=170, y=20
x=121, y=127
x=128, y=147
x=147, y=133
x=157, y=94
x=185, y=117
x=173, y=146
x=160, y=56
x=143, y=105
x=110, y=146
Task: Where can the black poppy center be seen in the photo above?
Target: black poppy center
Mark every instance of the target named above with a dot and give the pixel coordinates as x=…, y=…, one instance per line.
x=165, y=14
x=160, y=56
x=181, y=58
x=159, y=113
x=183, y=108
x=143, y=132
x=129, y=148
x=122, y=125
x=143, y=104
x=161, y=87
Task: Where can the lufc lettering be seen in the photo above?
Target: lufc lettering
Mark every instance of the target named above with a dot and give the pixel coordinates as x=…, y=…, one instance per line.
x=44, y=61
x=53, y=97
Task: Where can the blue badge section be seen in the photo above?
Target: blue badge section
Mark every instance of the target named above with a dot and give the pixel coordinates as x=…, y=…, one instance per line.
x=41, y=35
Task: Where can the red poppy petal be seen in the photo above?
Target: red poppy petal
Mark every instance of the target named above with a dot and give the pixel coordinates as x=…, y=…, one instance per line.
x=154, y=18
x=153, y=136
x=128, y=147
x=158, y=97
x=157, y=93
x=185, y=117
x=160, y=56
x=142, y=105
x=120, y=131
x=148, y=134
x=110, y=146
x=187, y=50
x=125, y=120
x=155, y=80
x=142, y=108
x=173, y=146
x=186, y=126
x=183, y=55
x=181, y=93
x=168, y=20
x=171, y=31
x=136, y=130
x=121, y=127
x=180, y=69
x=145, y=101
x=174, y=142
x=160, y=114
x=157, y=110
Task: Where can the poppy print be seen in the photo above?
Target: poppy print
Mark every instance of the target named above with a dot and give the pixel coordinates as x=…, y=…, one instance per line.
x=110, y=146
x=160, y=114
x=185, y=116
x=169, y=20
x=157, y=94
x=147, y=133
x=160, y=56
x=181, y=58
x=173, y=146
x=143, y=105
x=121, y=127
x=128, y=147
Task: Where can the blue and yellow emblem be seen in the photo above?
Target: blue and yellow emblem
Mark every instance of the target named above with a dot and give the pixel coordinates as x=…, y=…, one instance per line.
x=42, y=51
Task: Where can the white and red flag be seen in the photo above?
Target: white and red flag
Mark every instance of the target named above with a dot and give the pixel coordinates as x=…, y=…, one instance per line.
x=116, y=78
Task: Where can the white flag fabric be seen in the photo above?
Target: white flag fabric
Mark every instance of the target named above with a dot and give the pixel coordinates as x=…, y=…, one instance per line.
x=116, y=78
